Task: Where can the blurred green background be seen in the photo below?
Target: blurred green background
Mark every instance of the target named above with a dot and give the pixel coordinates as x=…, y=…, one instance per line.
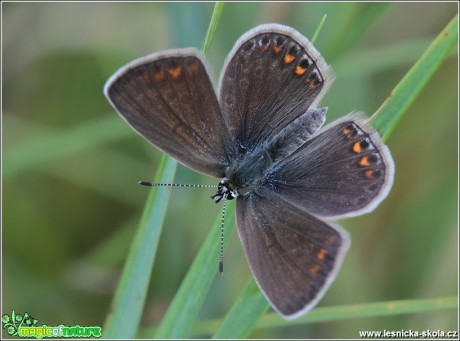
x=70, y=166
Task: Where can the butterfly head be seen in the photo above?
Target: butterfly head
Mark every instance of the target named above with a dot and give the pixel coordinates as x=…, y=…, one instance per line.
x=224, y=191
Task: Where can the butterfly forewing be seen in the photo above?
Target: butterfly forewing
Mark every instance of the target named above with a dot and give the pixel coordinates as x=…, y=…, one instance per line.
x=272, y=76
x=169, y=99
x=293, y=255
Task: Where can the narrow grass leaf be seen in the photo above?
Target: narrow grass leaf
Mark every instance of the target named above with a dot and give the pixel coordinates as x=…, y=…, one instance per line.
x=362, y=17
x=365, y=310
x=182, y=312
x=126, y=309
x=404, y=94
x=218, y=8
x=244, y=314
x=344, y=312
x=63, y=144
x=111, y=251
x=318, y=29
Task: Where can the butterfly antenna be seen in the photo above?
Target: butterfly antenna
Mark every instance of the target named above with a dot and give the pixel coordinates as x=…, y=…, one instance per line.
x=221, y=256
x=157, y=184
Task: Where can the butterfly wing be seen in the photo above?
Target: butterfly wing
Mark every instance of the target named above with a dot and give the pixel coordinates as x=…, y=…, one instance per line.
x=293, y=255
x=344, y=170
x=168, y=98
x=272, y=76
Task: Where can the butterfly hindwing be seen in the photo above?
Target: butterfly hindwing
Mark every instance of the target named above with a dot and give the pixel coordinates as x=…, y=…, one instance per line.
x=293, y=255
x=344, y=170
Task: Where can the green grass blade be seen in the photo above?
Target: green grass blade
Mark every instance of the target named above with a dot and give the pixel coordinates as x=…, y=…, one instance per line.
x=128, y=304
x=365, y=310
x=318, y=29
x=244, y=314
x=328, y=314
x=187, y=302
x=391, y=111
x=63, y=143
x=218, y=8
x=112, y=251
x=361, y=17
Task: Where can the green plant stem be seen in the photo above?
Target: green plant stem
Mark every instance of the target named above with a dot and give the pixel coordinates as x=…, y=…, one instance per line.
x=403, y=95
x=246, y=311
x=62, y=144
x=218, y=8
x=182, y=312
x=327, y=314
x=365, y=310
x=128, y=303
x=318, y=29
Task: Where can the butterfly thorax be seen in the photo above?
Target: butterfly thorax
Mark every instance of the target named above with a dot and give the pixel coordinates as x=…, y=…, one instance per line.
x=244, y=175
x=253, y=168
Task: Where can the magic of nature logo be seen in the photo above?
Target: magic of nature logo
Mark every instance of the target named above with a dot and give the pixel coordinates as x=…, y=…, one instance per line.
x=26, y=326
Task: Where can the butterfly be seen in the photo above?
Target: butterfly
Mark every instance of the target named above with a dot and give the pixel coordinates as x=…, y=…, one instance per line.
x=262, y=136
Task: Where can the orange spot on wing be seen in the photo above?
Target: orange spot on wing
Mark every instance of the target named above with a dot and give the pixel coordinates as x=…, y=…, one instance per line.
x=314, y=269
x=192, y=69
x=288, y=58
x=357, y=147
x=300, y=70
x=175, y=72
x=277, y=49
x=346, y=132
x=310, y=84
x=159, y=76
x=369, y=173
x=321, y=254
x=364, y=162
